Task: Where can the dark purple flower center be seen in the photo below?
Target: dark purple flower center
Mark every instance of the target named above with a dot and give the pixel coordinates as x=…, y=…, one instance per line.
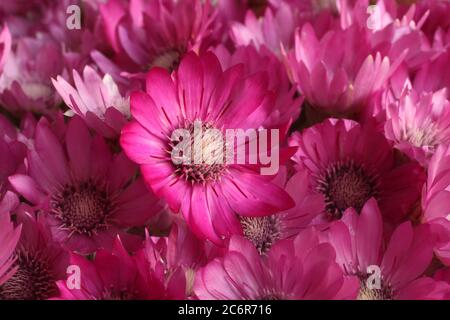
x=346, y=185
x=33, y=280
x=202, y=158
x=261, y=231
x=82, y=207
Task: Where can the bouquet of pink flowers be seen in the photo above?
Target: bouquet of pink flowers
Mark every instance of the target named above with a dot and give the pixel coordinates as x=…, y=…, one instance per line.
x=228, y=149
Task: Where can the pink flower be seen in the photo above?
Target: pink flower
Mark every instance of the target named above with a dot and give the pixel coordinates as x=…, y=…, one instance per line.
x=287, y=106
x=418, y=123
x=348, y=164
x=340, y=83
x=153, y=33
x=97, y=100
x=25, y=82
x=275, y=28
x=385, y=274
x=175, y=259
x=89, y=194
x=208, y=195
x=9, y=237
x=301, y=268
x=40, y=261
x=112, y=275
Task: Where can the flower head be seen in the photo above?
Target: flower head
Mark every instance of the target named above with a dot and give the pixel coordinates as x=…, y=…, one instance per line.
x=39, y=263
x=302, y=268
x=89, y=194
x=397, y=270
x=153, y=34
x=97, y=100
x=349, y=163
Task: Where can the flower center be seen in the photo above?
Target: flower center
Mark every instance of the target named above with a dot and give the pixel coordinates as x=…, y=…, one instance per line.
x=32, y=281
x=199, y=154
x=169, y=60
x=423, y=137
x=372, y=292
x=83, y=207
x=261, y=231
x=346, y=185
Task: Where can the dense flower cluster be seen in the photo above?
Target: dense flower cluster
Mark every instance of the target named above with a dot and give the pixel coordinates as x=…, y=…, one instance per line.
x=347, y=102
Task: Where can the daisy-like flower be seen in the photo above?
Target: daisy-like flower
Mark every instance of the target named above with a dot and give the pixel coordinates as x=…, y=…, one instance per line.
x=385, y=274
x=175, y=259
x=112, y=275
x=154, y=33
x=295, y=269
x=9, y=237
x=349, y=164
x=25, y=82
x=209, y=193
x=418, y=123
x=287, y=106
x=274, y=29
x=275, y=26
x=340, y=83
x=89, y=194
x=40, y=261
x=97, y=100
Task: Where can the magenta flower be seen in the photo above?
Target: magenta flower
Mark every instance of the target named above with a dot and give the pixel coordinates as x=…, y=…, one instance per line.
x=418, y=123
x=25, y=82
x=349, y=164
x=359, y=250
x=287, y=106
x=100, y=281
x=155, y=33
x=97, y=100
x=208, y=195
x=9, y=237
x=340, y=83
x=301, y=268
x=175, y=259
x=89, y=194
x=273, y=30
x=40, y=261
